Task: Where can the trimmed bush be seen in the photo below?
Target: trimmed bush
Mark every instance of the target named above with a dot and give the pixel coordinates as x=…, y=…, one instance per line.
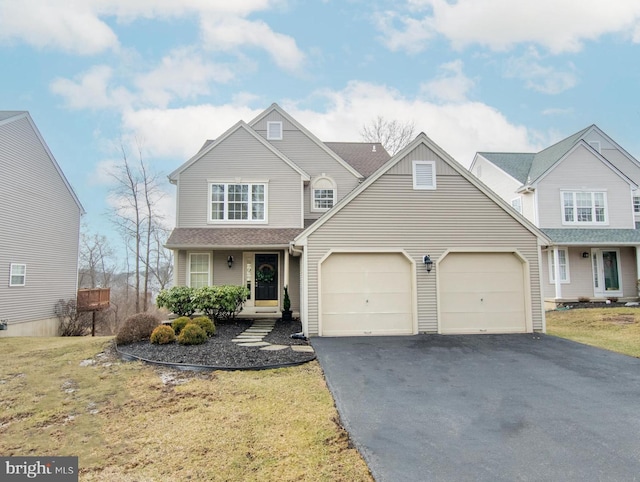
x=220, y=303
x=137, y=327
x=162, y=335
x=178, y=300
x=179, y=323
x=192, y=334
x=206, y=324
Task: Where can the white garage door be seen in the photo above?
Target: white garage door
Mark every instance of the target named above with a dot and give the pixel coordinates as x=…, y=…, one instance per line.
x=482, y=293
x=366, y=294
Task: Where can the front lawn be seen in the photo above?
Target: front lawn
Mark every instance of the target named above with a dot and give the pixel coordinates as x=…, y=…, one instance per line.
x=129, y=421
x=616, y=329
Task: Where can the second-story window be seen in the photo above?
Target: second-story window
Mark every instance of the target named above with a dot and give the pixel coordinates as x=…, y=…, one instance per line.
x=516, y=203
x=584, y=207
x=237, y=202
x=636, y=204
x=324, y=194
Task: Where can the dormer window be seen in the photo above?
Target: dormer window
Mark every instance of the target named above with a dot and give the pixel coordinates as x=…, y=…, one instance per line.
x=323, y=192
x=274, y=131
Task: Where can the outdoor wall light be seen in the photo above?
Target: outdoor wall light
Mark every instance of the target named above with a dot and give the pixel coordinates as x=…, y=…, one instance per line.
x=427, y=262
x=585, y=255
x=230, y=261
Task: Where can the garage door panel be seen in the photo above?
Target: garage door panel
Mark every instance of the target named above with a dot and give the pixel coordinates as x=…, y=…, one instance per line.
x=481, y=293
x=366, y=294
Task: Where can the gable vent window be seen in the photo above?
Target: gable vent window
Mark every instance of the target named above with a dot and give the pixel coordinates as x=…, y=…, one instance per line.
x=424, y=175
x=274, y=131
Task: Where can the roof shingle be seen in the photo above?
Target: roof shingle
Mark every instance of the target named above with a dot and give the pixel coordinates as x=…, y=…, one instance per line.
x=231, y=237
x=364, y=157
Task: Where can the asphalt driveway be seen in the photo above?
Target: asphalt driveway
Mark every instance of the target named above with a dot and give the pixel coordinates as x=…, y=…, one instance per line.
x=486, y=407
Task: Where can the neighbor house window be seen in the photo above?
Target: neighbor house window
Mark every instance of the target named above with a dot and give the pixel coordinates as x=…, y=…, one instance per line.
x=584, y=207
x=424, y=175
x=323, y=194
x=237, y=202
x=636, y=204
x=199, y=270
x=274, y=131
x=18, y=275
x=516, y=204
x=563, y=257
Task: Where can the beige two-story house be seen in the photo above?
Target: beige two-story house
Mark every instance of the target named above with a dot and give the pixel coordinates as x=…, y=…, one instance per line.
x=582, y=193
x=367, y=244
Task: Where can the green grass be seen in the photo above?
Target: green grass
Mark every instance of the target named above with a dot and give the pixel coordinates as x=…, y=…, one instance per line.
x=615, y=329
x=129, y=421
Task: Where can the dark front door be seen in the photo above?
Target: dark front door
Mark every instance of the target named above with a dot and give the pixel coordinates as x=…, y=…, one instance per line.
x=266, y=280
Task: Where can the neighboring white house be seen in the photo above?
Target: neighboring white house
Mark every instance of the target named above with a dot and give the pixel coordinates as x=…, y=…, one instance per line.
x=39, y=230
x=582, y=193
x=348, y=229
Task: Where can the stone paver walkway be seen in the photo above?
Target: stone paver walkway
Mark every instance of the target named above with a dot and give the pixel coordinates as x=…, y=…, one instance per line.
x=254, y=336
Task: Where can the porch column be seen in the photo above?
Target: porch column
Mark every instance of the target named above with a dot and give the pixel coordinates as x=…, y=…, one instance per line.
x=174, y=275
x=556, y=274
x=285, y=278
x=638, y=269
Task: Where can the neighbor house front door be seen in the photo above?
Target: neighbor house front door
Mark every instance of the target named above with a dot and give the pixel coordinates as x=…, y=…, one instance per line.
x=266, y=279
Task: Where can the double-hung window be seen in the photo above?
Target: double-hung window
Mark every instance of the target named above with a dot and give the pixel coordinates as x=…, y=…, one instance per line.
x=199, y=270
x=18, y=274
x=636, y=204
x=246, y=202
x=582, y=207
x=563, y=264
x=324, y=194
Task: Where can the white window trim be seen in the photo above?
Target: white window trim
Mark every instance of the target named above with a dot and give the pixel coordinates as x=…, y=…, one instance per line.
x=417, y=186
x=575, y=208
x=274, y=138
x=519, y=202
x=24, y=275
x=226, y=203
x=636, y=196
x=188, y=270
x=313, y=193
x=552, y=274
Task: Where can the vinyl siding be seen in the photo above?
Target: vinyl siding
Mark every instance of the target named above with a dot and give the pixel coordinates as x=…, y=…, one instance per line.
x=310, y=157
x=500, y=182
x=581, y=274
x=40, y=223
x=240, y=158
x=581, y=170
x=390, y=214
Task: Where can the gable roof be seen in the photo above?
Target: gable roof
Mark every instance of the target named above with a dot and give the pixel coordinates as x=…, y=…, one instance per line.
x=422, y=138
x=9, y=116
x=276, y=108
x=210, y=145
x=529, y=168
x=365, y=157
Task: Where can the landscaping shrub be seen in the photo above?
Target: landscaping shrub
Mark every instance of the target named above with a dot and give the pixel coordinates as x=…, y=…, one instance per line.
x=179, y=323
x=178, y=300
x=192, y=334
x=162, y=335
x=137, y=327
x=220, y=303
x=206, y=324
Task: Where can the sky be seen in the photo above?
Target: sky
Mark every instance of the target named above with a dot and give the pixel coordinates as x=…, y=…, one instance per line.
x=162, y=76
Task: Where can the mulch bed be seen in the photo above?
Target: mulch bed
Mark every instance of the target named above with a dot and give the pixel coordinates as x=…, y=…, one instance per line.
x=596, y=304
x=220, y=352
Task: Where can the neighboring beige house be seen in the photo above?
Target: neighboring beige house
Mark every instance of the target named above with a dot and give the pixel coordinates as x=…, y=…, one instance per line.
x=349, y=231
x=39, y=231
x=582, y=193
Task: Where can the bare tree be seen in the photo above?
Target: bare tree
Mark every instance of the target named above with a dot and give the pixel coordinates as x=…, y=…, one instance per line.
x=161, y=267
x=96, y=261
x=137, y=189
x=393, y=135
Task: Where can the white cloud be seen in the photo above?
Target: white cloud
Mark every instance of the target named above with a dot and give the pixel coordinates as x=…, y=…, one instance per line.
x=230, y=32
x=182, y=74
x=188, y=127
x=451, y=85
x=557, y=25
x=69, y=26
x=542, y=78
x=460, y=128
x=91, y=90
